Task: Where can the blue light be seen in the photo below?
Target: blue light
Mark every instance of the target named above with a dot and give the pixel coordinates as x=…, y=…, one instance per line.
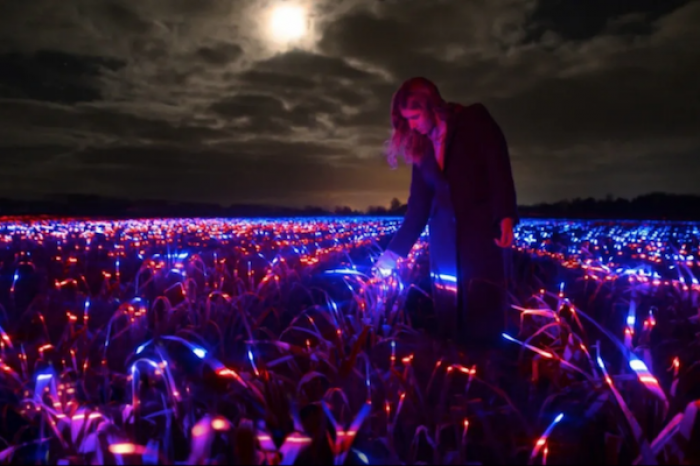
x=344, y=272
x=638, y=366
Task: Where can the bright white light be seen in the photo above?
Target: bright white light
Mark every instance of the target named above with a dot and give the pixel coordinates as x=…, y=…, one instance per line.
x=383, y=272
x=638, y=366
x=362, y=456
x=288, y=23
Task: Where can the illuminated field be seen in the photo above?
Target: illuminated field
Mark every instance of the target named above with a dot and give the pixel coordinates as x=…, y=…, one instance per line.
x=165, y=341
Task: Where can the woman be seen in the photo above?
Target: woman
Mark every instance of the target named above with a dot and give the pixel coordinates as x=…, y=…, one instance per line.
x=462, y=188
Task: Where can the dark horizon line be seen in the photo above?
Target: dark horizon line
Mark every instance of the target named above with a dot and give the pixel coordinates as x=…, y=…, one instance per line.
x=651, y=206
x=62, y=197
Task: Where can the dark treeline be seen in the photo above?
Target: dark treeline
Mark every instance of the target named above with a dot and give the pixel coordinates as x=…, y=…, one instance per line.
x=653, y=206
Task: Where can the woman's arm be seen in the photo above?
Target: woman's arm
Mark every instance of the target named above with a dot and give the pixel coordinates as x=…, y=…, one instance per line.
x=419, y=202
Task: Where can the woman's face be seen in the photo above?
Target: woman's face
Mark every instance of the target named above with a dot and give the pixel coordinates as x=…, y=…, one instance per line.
x=419, y=120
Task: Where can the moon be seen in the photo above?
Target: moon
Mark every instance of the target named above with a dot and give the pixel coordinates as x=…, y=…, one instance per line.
x=288, y=23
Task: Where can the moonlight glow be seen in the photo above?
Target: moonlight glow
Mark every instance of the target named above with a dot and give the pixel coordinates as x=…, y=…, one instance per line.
x=288, y=23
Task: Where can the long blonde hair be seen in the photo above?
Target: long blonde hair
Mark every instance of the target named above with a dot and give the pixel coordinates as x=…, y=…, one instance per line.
x=423, y=94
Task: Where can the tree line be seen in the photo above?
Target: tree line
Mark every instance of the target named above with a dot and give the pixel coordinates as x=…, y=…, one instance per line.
x=652, y=206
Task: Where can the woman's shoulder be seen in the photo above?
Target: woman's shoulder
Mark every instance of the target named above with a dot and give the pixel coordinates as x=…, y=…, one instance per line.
x=475, y=110
x=473, y=116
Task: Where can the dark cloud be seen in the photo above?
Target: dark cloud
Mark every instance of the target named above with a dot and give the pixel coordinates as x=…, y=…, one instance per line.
x=18, y=157
x=95, y=125
x=122, y=17
x=301, y=96
x=334, y=85
x=220, y=54
x=256, y=113
x=53, y=76
x=272, y=81
x=249, y=106
x=297, y=62
x=617, y=105
x=384, y=42
x=585, y=20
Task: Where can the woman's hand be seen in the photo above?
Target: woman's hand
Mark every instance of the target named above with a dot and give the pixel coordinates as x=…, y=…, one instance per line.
x=386, y=263
x=506, y=239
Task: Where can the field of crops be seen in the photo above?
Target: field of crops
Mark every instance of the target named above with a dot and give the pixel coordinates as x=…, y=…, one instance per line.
x=258, y=341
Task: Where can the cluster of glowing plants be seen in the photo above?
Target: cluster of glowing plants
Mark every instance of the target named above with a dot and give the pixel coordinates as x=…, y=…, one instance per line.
x=213, y=341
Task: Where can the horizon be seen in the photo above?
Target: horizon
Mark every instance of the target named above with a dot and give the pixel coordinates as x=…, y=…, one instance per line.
x=63, y=198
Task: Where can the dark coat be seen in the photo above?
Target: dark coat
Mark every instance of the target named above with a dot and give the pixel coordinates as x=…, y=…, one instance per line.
x=463, y=206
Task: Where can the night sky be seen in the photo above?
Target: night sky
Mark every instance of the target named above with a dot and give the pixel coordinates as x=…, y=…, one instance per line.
x=199, y=101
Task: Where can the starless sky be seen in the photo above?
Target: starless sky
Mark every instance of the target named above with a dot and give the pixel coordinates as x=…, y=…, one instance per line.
x=193, y=100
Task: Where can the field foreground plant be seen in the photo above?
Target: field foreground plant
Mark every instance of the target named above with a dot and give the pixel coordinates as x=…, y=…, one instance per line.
x=238, y=342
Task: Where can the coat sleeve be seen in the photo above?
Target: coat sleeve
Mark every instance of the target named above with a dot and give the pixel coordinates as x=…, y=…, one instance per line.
x=419, y=202
x=495, y=149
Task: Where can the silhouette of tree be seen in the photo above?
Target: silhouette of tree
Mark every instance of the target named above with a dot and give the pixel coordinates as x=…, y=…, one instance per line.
x=376, y=210
x=344, y=210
